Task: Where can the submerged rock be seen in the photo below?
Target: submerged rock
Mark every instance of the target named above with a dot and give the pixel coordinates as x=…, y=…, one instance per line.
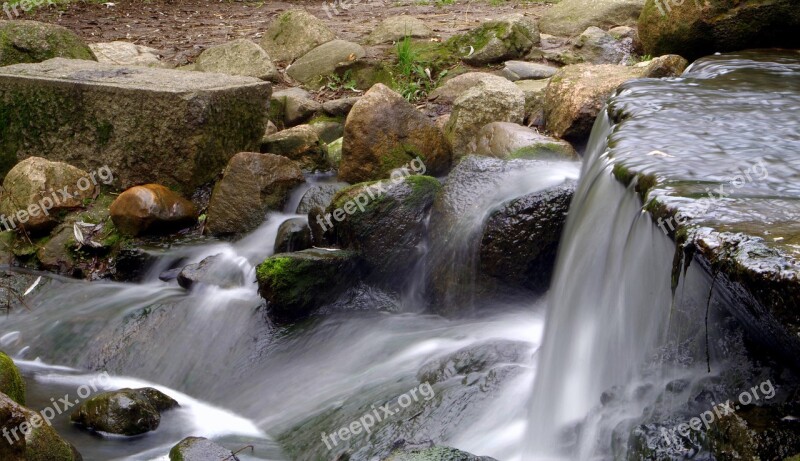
x=571, y=17
x=200, y=449
x=520, y=241
x=301, y=144
x=151, y=208
x=239, y=57
x=37, y=192
x=695, y=28
x=11, y=382
x=30, y=437
x=297, y=284
x=126, y=412
x=216, y=270
x=293, y=235
x=508, y=37
x=293, y=34
x=251, y=185
x=383, y=132
x=476, y=358
x=31, y=41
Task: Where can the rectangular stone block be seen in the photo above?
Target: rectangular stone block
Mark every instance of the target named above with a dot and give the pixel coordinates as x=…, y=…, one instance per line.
x=173, y=127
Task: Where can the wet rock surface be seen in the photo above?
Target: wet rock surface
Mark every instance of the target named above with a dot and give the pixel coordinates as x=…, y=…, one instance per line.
x=126, y=412
x=215, y=270
x=200, y=449
x=151, y=208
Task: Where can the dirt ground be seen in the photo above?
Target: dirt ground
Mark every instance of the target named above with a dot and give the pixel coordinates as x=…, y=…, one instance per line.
x=181, y=29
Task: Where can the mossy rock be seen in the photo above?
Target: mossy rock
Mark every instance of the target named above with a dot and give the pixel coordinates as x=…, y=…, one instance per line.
x=126, y=412
x=31, y=41
x=40, y=442
x=199, y=449
x=11, y=382
x=435, y=454
x=494, y=41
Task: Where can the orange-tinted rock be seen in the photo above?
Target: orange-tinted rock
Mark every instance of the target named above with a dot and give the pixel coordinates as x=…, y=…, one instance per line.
x=151, y=208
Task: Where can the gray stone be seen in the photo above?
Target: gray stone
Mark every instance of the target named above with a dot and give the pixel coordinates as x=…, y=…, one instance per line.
x=293, y=34
x=534, y=91
x=124, y=412
x=456, y=86
x=571, y=17
x=509, y=140
x=508, y=37
x=126, y=54
x=91, y=115
x=597, y=46
x=334, y=153
x=217, y=270
x=293, y=106
x=239, y=57
x=395, y=28
x=328, y=130
x=521, y=70
x=31, y=41
x=324, y=60
x=293, y=235
x=200, y=449
x=319, y=195
x=339, y=107
x=435, y=454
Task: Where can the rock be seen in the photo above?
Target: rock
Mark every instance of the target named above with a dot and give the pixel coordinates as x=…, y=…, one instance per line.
x=151, y=208
x=36, y=193
x=534, y=91
x=239, y=57
x=670, y=65
x=93, y=115
x=520, y=240
x=38, y=442
x=251, y=185
x=11, y=382
x=577, y=93
x=509, y=140
x=270, y=129
x=57, y=253
x=521, y=70
x=292, y=106
x=435, y=454
x=296, y=284
x=398, y=207
x=301, y=144
x=328, y=130
x=629, y=35
x=571, y=17
x=200, y=449
x=384, y=132
x=475, y=358
x=293, y=34
x=324, y=60
x=693, y=28
x=217, y=270
x=126, y=54
x=339, y=107
x=491, y=100
x=456, y=86
x=31, y=41
x=597, y=46
x=318, y=195
x=293, y=235
x=126, y=412
x=334, y=153
x=395, y=28
x=508, y=37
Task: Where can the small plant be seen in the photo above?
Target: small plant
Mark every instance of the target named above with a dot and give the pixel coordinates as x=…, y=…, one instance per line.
x=444, y=2
x=406, y=56
x=413, y=79
x=341, y=82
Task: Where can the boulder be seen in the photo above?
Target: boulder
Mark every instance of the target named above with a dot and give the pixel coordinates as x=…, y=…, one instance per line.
x=301, y=144
x=509, y=140
x=251, y=185
x=521, y=70
x=11, y=382
x=200, y=449
x=327, y=130
x=239, y=57
x=670, y=65
x=508, y=37
x=126, y=412
x=534, y=91
x=151, y=208
x=293, y=235
x=456, y=86
x=395, y=28
x=217, y=270
x=36, y=192
x=318, y=195
x=383, y=132
x=30, y=437
x=694, y=28
x=577, y=93
x=597, y=46
x=520, y=240
x=292, y=106
x=339, y=107
x=385, y=222
x=92, y=115
x=31, y=41
x=435, y=454
x=571, y=17
x=293, y=34
x=296, y=284
x=324, y=60
x=491, y=100
x=126, y=54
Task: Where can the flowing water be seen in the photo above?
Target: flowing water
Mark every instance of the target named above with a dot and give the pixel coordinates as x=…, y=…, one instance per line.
x=617, y=335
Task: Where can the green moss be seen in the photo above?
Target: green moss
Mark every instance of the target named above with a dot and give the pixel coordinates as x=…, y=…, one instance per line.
x=104, y=132
x=11, y=382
